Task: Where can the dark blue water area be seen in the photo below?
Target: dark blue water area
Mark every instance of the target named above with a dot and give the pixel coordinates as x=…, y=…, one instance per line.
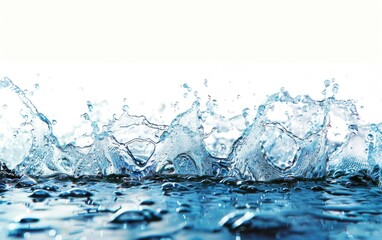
x=181, y=207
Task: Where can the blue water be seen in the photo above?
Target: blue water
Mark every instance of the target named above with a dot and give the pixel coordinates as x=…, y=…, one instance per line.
x=299, y=166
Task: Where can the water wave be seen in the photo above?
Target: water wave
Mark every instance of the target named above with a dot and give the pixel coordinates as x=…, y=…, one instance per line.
x=289, y=138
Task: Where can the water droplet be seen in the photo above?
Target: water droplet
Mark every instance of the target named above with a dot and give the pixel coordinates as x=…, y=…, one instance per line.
x=267, y=223
x=5, y=82
x=135, y=216
x=90, y=106
x=171, y=186
x=85, y=116
x=75, y=192
x=148, y=202
x=54, y=122
x=28, y=220
x=261, y=110
x=205, y=82
x=353, y=128
x=131, y=216
x=40, y=194
x=374, y=127
x=36, y=86
x=370, y=137
x=5, y=107
x=245, y=112
x=335, y=88
x=125, y=108
x=183, y=210
x=327, y=83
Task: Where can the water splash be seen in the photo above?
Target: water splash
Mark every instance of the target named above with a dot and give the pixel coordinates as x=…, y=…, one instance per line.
x=286, y=140
x=290, y=138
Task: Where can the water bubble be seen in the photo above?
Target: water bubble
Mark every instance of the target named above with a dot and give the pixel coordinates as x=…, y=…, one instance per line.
x=54, y=122
x=125, y=108
x=327, y=83
x=185, y=95
x=36, y=86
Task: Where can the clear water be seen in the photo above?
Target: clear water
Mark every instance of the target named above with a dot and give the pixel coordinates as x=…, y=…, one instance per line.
x=301, y=166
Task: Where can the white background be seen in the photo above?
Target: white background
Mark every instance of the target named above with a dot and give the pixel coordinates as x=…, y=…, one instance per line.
x=143, y=51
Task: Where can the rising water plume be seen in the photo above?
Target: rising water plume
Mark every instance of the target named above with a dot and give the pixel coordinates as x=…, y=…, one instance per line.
x=289, y=138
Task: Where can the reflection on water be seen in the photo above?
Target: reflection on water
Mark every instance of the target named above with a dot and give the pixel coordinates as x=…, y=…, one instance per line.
x=180, y=207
